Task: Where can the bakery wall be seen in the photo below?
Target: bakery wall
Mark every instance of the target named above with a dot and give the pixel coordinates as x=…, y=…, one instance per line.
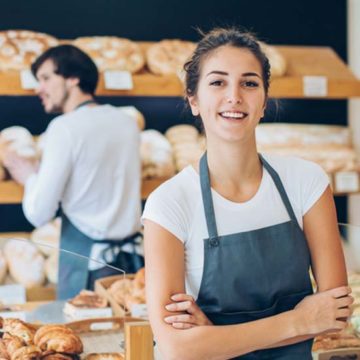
x=305, y=22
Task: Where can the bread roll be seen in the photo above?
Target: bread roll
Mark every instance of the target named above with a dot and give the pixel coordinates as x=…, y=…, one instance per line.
x=26, y=264
x=135, y=113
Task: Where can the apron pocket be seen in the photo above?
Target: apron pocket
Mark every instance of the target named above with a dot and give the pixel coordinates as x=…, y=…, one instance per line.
x=281, y=304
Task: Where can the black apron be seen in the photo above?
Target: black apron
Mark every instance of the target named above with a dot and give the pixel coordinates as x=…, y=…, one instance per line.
x=254, y=274
x=73, y=270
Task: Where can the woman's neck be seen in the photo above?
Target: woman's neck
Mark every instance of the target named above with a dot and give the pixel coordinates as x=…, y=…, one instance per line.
x=235, y=170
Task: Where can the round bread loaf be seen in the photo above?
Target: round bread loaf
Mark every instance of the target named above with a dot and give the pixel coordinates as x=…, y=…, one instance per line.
x=112, y=53
x=168, y=57
x=20, y=48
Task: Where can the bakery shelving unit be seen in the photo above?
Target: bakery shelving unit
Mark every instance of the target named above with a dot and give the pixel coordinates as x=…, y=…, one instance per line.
x=330, y=78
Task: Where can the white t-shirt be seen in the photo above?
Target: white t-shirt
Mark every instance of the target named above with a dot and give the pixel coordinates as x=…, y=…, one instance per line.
x=177, y=206
x=91, y=164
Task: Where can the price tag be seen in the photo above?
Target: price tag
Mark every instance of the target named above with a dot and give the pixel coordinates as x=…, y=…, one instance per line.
x=315, y=86
x=12, y=294
x=118, y=80
x=101, y=326
x=346, y=181
x=28, y=81
x=139, y=310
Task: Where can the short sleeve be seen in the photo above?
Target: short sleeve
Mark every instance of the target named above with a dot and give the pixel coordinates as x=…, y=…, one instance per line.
x=167, y=211
x=315, y=182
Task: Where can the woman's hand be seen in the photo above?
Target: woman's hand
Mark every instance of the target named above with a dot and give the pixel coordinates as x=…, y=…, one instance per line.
x=190, y=314
x=325, y=311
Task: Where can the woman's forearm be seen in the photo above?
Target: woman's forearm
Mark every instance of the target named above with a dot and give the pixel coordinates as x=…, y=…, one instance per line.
x=224, y=342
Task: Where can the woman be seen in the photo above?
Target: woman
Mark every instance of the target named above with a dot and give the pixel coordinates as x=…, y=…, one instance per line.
x=265, y=220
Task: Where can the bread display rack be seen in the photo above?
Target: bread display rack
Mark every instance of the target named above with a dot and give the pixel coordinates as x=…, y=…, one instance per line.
x=313, y=72
x=303, y=61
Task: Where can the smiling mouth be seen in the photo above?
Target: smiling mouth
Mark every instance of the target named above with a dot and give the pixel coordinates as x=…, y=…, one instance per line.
x=233, y=115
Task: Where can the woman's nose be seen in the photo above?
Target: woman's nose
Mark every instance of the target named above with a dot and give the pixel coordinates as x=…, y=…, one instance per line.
x=234, y=96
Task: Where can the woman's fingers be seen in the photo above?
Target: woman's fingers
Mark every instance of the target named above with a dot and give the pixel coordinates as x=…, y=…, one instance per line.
x=182, y=297
x=182, y=326
x=186, y=318
x=345, y=301
x=340, y=291
x=343, y=313
x=179, y=306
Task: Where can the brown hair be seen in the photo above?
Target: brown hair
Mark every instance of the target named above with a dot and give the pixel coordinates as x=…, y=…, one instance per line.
x=220, y=37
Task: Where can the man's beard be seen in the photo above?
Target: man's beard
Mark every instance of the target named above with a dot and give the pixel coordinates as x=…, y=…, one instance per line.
x=59, y=107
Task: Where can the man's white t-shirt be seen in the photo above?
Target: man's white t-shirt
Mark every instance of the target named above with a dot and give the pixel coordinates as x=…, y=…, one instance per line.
x=177, y=206
x=91, y=165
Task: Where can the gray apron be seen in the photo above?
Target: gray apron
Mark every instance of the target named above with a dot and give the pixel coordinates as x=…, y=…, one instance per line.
x=254, y=274
x=74, y=272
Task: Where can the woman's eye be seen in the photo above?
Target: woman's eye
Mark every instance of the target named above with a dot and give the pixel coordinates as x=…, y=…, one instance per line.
x=216, y=83
x=251, y=84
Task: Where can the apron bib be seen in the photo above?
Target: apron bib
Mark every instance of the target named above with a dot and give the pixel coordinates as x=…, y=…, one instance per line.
x=254, y=274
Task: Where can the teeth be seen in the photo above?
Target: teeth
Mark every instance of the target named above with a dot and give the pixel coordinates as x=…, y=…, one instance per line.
x=235, y=115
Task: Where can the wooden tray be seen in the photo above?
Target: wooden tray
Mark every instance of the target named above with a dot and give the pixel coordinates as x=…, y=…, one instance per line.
x=101, y=286
x=129, y=337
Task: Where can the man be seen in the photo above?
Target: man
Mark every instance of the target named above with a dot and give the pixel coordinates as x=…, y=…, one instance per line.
x=90, y=167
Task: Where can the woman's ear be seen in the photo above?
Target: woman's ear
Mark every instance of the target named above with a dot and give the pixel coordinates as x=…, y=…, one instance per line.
x=194, y=105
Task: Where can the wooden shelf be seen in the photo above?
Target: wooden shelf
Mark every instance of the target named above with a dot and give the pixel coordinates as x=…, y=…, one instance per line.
x=302, y=61
x=12, y=193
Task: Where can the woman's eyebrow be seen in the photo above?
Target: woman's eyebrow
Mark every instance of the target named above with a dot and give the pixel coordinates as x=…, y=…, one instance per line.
x=218, y=72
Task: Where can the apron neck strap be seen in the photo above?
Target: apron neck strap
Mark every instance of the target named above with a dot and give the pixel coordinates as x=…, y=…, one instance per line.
x=280, y=187
x=207, y=197
x=87, y=102
x=208, y=201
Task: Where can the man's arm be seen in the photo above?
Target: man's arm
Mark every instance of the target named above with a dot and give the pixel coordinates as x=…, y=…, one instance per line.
x=44, y=190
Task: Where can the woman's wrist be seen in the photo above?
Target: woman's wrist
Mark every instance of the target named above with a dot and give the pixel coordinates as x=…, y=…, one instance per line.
x=297, y=323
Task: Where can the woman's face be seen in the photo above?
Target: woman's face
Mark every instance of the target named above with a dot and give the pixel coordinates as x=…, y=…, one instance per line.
x=231, y=97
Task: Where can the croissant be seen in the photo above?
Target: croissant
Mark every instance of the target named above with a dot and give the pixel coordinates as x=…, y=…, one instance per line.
x=58, y=338
x=31, y=352
x=4, y=355
x=20, y=329
x=12, y=343
x=46, y=328
x=57, y=357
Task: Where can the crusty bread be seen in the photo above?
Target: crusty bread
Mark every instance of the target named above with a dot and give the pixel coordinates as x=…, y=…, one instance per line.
x=169, y=56
x=20, y=48
x=104, y=356
x=112, y=53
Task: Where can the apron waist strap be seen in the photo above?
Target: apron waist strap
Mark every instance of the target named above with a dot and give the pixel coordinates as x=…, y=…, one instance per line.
x=131, y=239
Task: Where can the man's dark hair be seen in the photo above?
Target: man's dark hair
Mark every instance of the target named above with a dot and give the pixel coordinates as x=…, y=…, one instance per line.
x=71, y=62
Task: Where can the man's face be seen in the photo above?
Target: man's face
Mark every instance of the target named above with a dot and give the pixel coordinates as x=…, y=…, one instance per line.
x=53, y=89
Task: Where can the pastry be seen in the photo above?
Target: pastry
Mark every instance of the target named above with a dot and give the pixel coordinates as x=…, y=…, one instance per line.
x=169, y=56
x=31, y=352
x=59, y=339
x=19, y=48
x=104, y=356
x=139, y=280
x=20, y=329
x=88, y=299
x=57, y=356
x=112, y=53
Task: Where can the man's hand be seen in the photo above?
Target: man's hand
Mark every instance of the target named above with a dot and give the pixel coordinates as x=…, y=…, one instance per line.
x=188, y=313
x=19, y=168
